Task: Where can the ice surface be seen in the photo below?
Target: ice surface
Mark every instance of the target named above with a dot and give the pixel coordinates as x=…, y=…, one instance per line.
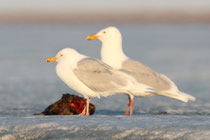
x=28, y=84
x=145, y=126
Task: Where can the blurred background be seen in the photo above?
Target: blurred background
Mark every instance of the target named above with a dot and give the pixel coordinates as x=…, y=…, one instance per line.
x=172, y=37
x=109, y=11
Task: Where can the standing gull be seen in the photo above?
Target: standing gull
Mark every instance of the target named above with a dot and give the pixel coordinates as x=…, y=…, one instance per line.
x=112, y=54
x=93, y=78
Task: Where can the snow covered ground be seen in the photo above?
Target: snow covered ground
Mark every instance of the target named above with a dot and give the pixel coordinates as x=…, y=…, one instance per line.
x=106, y=127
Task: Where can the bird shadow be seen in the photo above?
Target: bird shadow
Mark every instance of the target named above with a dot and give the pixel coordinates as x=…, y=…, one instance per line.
x=115, y=112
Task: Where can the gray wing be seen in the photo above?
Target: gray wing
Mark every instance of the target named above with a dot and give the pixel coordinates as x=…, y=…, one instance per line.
x=97, y=75
x=145, y=75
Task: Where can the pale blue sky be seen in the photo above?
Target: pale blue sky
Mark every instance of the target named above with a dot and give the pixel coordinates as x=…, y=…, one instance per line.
x=104, y=5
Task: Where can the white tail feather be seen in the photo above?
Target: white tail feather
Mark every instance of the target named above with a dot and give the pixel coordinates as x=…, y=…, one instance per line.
x=184, y=97
x=142, y=90
x=175, y=93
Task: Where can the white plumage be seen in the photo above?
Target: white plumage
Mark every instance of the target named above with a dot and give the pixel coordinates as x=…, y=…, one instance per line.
x=94, y=78
x=112, y=54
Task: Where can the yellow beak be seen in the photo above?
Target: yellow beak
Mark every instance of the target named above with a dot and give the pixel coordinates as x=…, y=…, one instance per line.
x=51, y=59
x=90, y=37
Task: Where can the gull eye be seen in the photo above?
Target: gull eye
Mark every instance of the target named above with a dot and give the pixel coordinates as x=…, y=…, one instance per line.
x=61, y=54
x=104, y=32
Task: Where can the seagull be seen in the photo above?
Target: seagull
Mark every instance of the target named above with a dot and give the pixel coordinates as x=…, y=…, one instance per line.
x=113, y=55
x=93, y=78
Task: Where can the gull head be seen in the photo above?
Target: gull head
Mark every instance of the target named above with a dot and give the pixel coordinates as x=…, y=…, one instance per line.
x=64, y=54
x=107, y=34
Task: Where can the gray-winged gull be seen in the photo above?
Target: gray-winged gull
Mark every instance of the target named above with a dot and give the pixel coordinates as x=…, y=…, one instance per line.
x=93, y=78
x=113, y=55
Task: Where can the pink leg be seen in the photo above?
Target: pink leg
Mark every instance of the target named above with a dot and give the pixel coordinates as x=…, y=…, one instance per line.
x=131, y=111
x=128, y=105
x=83, y=112
x=87, y=106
